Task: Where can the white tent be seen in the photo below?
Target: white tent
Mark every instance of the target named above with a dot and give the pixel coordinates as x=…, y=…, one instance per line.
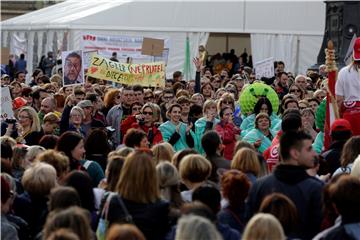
x=288, y=31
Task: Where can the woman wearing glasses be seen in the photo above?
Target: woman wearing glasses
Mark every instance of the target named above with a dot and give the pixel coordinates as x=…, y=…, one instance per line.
x=298, y=91
x=143, y=118
x=28, y=127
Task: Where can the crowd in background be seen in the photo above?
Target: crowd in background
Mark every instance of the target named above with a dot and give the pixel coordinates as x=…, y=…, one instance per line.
x=108, y=161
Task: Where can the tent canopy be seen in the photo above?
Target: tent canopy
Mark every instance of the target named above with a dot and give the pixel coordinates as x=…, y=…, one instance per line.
x=288, y=31
x=304, y=17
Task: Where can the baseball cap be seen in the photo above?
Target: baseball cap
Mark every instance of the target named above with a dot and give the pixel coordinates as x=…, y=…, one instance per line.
x=356, y=52
x=341, y=125
x=18, y=103
x=85, y=103
x=4, y=76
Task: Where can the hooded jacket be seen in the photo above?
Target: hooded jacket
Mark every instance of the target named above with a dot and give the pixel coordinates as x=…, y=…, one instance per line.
x=305, y=192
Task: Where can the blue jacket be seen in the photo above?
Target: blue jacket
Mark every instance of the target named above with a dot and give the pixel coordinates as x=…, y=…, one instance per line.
x=255, y=134
x=201, y=126
x=168, y=129
x=249, y=123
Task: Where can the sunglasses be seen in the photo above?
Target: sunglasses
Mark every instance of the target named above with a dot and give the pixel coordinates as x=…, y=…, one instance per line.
x=148, y=113
x=294, y=90
x=149, y=97
x=227, y=102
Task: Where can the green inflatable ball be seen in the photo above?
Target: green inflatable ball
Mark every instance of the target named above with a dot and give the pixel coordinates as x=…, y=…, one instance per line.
x=250, y=95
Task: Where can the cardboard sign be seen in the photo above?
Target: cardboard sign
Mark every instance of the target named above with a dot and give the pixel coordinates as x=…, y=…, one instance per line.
x=73, y=67
x=264, y=68
x=152, y=47
x=6, y=104
x=349, y=53
x=146, y=74
x=5, y=53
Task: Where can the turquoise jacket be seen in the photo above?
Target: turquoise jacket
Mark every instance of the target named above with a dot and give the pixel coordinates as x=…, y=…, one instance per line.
x=255, y=134
x=168, y=128
x=200, y=125
x=319, y=142
x=249, y=123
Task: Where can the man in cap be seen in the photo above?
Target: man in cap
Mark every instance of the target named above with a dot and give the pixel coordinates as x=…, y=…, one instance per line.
x=89, y=122
x=5, y=80
x=347, y=90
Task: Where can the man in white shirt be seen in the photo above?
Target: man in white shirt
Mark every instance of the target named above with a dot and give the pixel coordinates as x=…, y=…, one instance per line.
x=347, y=90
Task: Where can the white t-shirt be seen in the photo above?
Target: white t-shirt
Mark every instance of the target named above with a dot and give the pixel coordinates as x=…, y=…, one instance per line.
x=348, y=84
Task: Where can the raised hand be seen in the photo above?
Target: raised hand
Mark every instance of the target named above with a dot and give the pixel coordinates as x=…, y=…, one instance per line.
x=198, y=64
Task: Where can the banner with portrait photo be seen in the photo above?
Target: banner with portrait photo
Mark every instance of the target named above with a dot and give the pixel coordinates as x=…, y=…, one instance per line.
x=145, y=74
x=73, y=67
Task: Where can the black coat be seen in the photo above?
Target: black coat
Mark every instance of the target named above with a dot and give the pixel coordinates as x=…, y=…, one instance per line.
x=332, y=158
x=151, y=218
x=305, y=192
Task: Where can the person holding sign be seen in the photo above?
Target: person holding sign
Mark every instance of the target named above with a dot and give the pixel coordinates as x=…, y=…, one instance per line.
x=73, y=69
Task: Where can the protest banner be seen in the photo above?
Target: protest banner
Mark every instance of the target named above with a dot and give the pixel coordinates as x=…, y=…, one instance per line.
x=124, y=46
x=87, y=58
x=6, y=104
x=73, y=70
x=144, y=74
x=264, y=68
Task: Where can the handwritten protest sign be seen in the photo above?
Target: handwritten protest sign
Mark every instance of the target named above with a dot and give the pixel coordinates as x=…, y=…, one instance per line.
x=264, y=68
x=146, y=74
x=6, y=104
x=87, y=58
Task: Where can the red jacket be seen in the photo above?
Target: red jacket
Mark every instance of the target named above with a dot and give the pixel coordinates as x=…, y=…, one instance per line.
x=227, y=133
x=271, y=155
x=130, y=122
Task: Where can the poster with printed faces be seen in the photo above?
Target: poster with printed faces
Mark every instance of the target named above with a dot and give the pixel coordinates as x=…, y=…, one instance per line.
x=73, y=67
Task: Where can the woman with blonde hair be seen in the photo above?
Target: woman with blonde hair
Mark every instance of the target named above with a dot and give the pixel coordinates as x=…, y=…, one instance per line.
x=265, y=227
x=162, y=152
x=194, y=170
x=38, y=180
x=206, y=123
x=246, y=161
x=169, y=181
x=29, y=129
x=196, y=227
x=138, y=191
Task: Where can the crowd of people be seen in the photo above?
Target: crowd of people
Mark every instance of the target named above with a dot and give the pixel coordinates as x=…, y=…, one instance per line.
x=107, y=161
